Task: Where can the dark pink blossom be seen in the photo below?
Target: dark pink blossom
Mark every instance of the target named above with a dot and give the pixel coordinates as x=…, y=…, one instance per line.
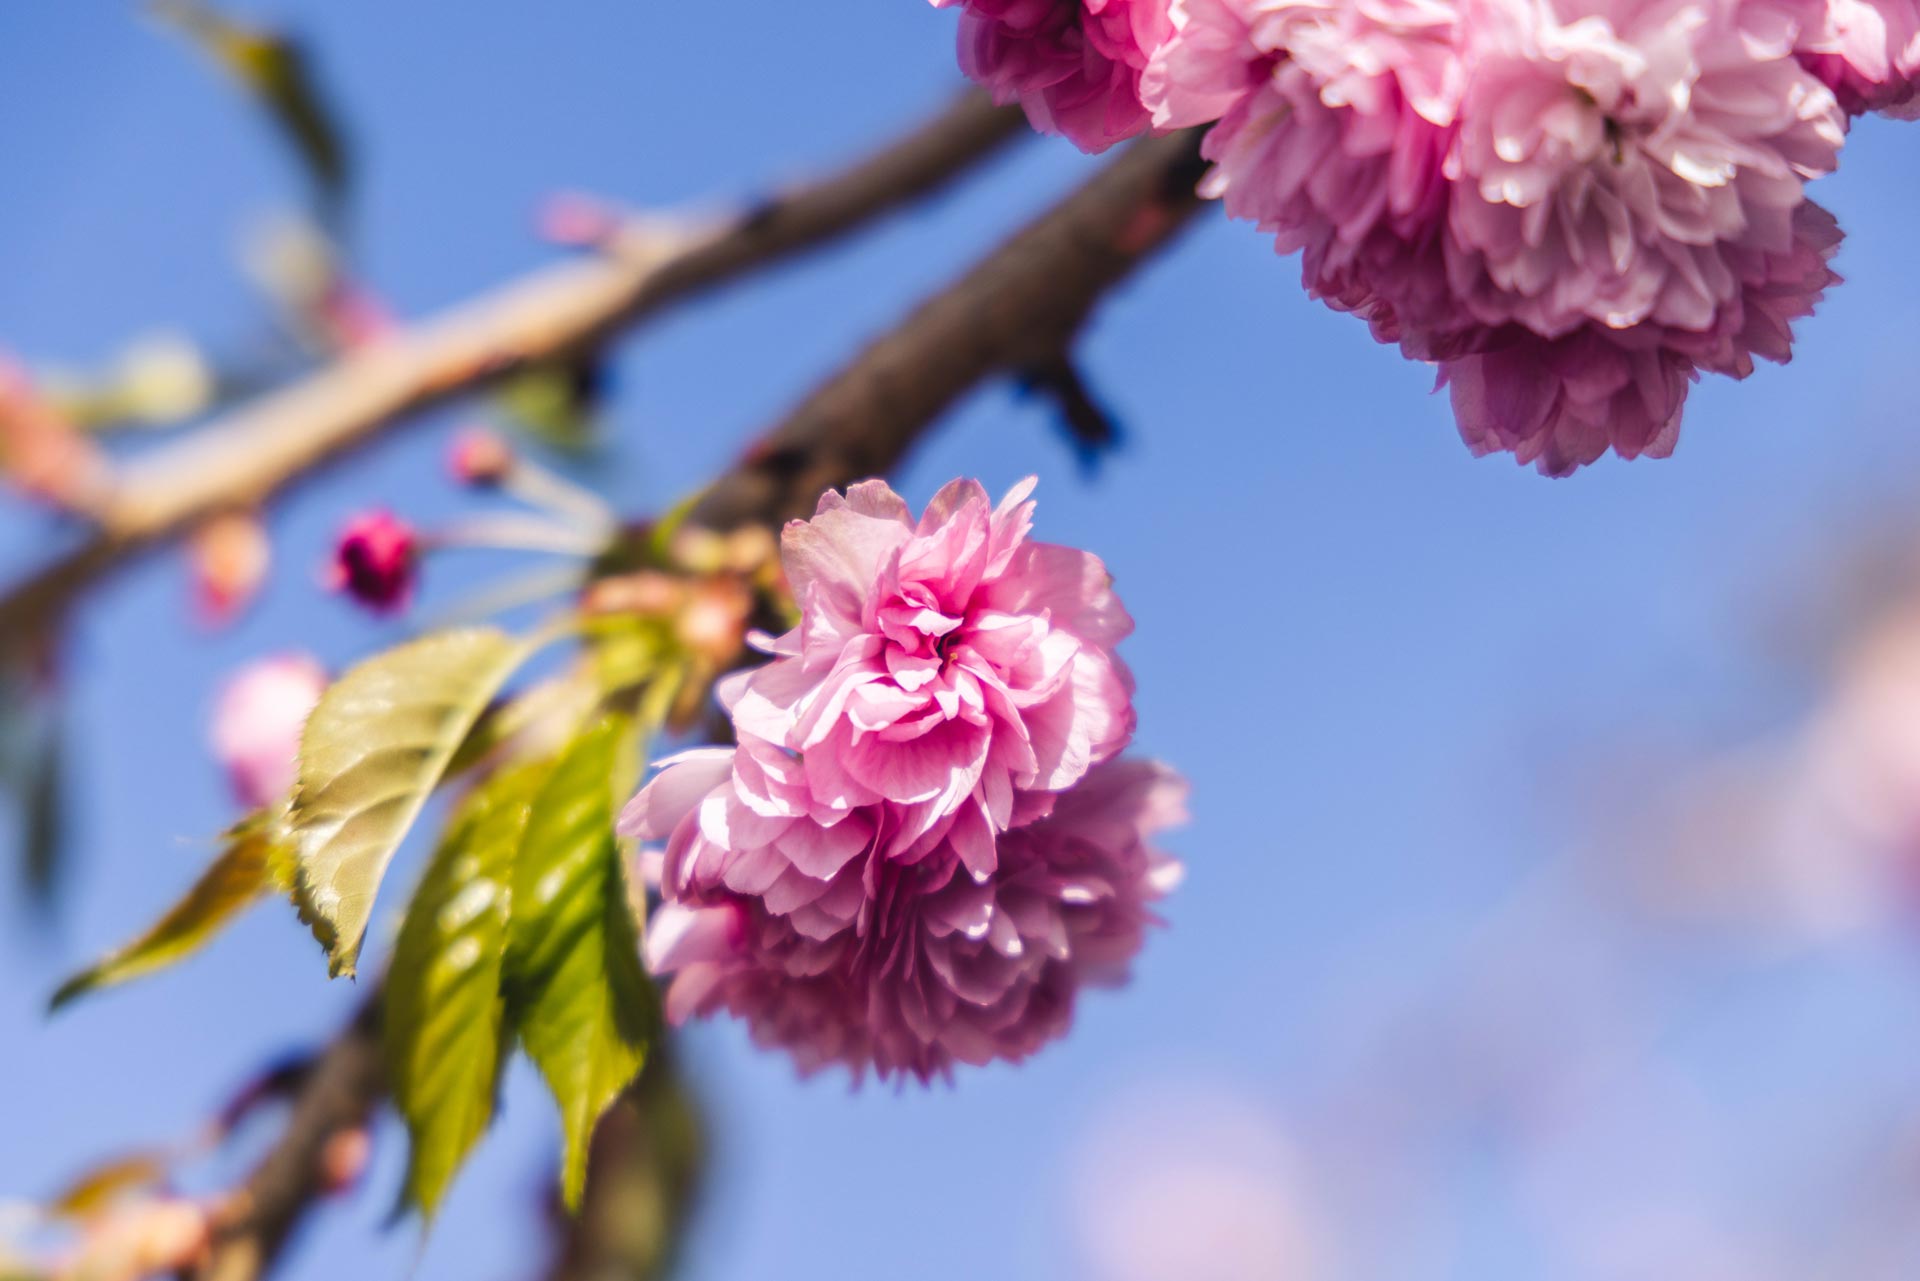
x=1074, y=65
x=375, y=561
x=1560, y=403
x=837, y=951
x=1866, y=51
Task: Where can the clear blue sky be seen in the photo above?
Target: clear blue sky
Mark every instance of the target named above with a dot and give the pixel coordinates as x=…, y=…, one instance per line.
x=1392, y=672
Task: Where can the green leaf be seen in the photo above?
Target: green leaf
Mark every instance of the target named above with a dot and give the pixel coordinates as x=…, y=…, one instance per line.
x=97, y=1189
x=574, y=984
x=373, y=750
x=253, y=862
x=445, y=1021
x=277, y=71
x=558, y=403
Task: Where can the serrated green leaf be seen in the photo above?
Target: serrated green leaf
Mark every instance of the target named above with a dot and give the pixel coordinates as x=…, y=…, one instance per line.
x=97, y=1189
x=373, y=750
x=254, y=861
x=445, y=1021
x=575, y=987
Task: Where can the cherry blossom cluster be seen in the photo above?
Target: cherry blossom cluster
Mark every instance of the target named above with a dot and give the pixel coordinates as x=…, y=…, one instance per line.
x=926, y=841
x=1572, y=208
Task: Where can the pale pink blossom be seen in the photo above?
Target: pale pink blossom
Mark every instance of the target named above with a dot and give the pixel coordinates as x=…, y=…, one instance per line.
x=940, y=665
x=1074, y=65
x=150, y=1237
x=257, y=723
x=1574, y=206
x=839, y=952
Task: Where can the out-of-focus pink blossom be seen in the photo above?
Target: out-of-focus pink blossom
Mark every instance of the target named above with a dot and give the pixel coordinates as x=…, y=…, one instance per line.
x=146, y=1238
x=940, y=666
x=1602, y=198
x=480, y=457
x=375, y=561
x=1193, y=1178
x=837, y=952
x=579, y=220
x=1074, y=65
x=230, y=555
x=343, y=1159
x=257, y=723
x=42, y=452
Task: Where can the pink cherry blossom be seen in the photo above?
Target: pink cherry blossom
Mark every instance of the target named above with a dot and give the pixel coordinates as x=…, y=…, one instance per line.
x=838, y=952
x=257, y=723
x=1866, y=51
x=1074, y=65
x=1560, y=403
x=1574, y=206
x=942, y=665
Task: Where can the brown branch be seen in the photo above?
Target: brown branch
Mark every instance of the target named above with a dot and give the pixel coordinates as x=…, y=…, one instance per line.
x=1020, y=306
x=561, y=311
x=340, y=1092
x=644, y=1176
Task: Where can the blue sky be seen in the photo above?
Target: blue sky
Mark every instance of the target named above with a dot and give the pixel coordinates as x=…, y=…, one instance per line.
x=1393, y=672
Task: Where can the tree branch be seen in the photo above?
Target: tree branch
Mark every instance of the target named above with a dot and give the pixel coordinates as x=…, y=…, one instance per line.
x=340, y=1092
x=241, y=460
x=1020, y=306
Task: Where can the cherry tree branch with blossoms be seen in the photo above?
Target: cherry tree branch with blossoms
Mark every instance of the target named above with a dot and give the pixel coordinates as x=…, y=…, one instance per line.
x=922, y=834
x=1022, y=304
x=636, y=269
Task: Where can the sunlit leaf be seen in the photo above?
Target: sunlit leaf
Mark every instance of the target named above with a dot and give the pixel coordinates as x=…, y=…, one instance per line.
x=98, y=1188
x=445, y=1021
x=253, y=862
x=625, y=651
x=277, y=71
x=374, y=748
x=575, y=988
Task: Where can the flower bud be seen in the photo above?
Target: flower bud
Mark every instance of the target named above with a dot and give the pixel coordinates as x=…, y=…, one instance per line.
x=480, y=457
x=375, y=561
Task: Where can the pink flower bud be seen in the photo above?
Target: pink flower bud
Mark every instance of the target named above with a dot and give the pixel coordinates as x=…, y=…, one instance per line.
x=257, y=724
x=480, y=457
x=230, y=557
x=578, y=220
x=343, y=1159
x=374, y=561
